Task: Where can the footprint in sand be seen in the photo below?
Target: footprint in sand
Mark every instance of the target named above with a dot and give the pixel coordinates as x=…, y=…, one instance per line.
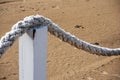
x=78, y=26
x=96, y=43
x=22, y=8
x=55, y=7
x=3, y=78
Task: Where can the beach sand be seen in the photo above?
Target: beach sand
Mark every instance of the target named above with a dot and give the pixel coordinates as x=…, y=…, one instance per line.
x=98, y=21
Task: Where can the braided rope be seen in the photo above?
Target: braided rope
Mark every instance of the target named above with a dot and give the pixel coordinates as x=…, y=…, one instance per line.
x=32, y=21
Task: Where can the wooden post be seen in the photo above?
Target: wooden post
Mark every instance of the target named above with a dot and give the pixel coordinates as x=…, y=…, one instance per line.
x=32, y=54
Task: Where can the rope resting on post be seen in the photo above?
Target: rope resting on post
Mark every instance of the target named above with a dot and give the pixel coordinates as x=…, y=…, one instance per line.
x=33, y=21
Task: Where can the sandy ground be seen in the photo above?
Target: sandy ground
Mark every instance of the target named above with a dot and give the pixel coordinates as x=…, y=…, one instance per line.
x=100, y=24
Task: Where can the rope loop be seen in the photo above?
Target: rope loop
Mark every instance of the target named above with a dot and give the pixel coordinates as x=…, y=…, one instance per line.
x=34, y=21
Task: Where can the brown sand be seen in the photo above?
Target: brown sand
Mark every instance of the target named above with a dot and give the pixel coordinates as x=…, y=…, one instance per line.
x=99, y=22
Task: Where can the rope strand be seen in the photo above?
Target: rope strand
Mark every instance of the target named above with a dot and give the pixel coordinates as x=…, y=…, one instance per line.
x=33, y=21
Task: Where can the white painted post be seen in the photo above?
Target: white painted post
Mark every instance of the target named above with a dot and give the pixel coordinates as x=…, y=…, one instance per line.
x=32, y=54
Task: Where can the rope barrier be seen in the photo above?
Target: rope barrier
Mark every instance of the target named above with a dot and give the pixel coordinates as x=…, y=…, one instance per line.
x=33, y=21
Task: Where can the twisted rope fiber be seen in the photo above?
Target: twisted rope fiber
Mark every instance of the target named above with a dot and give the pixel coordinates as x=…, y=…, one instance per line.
x=32, y=21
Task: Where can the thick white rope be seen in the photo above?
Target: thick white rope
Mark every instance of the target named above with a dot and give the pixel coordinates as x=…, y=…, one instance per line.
x=32, y=21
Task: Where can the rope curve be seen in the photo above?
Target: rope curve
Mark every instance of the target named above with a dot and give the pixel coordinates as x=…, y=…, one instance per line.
x=33, y=21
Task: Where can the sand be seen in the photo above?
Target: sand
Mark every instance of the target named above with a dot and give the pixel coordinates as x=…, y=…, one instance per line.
x=99, y=22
